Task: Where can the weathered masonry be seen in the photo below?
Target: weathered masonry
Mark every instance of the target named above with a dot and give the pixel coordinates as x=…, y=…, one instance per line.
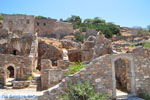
x=101, y=73
x=15, y=67
x=32, y=24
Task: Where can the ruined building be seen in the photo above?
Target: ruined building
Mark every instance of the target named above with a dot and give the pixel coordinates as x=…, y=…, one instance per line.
x=32, y=24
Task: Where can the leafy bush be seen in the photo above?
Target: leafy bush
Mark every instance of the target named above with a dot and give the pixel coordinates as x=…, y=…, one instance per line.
x=144, y=96
x=41, y=17
x=75, y=67
x=1, y=17
x=79, y=37
x=108, y=29
x=146, y=45
x=28, y=78
x=83, y=91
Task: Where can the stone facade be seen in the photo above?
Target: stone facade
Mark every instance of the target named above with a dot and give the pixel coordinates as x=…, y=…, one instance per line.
x=19, y=22
x=43, y=26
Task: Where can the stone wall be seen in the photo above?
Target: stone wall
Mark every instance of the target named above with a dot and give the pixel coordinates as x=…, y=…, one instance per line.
x=50, y=75
x=22, y=66
x=52, y=28
x=142, y=74
x=142, y=52
x=44, y=26
x=17, y=46
x=47, y=51
x=102, y=46
x=20, y=84
x=101, y=74
x=23, y=23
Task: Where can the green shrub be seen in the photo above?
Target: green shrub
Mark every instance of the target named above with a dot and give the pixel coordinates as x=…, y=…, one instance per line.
x=41, y=17
x=1, y=17
x=146, y=45
x=28, y=78
x=75, y=67
x=82, y=29
x=83, y=91
x=79, y=37
x=144, y=96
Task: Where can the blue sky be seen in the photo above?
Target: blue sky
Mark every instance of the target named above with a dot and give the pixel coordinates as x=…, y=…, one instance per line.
x=123, y=12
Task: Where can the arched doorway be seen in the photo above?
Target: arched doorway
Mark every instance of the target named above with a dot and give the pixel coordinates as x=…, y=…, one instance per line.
x=123, y=74
x=10, y=72
x=10, y=75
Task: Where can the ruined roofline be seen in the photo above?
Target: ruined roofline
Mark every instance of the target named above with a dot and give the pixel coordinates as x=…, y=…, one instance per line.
x=36, y=17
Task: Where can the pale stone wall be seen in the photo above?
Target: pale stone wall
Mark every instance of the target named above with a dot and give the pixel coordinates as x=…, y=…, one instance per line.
x=52, y=28
x=23, y=23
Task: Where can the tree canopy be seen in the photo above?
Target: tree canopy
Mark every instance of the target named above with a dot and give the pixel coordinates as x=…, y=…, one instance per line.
x=108, y=29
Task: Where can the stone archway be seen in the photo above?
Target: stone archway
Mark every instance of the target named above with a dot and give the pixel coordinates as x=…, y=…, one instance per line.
x=10, y=72
x=131, y=73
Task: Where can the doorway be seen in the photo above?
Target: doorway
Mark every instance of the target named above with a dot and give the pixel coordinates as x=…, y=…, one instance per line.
x=10, y=75
x=123, y=76
x=123, y=79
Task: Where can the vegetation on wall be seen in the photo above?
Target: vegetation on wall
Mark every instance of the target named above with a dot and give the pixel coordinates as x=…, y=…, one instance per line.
x=75, y=67
x=108, y=29
x=146, y=45
x=83, y=91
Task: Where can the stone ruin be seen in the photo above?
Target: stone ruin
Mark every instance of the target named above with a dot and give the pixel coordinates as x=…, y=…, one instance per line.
x=102, y=75
x=23, y=53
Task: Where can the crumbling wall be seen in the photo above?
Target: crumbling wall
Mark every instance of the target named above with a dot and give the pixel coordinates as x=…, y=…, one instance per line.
x=101, y=75
x=47, y=51
x=98, y=74
x=52, y=28
x=102, y=46
x=20, y=45
x=22, y=23
x=50, y=75
x=21, y=64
